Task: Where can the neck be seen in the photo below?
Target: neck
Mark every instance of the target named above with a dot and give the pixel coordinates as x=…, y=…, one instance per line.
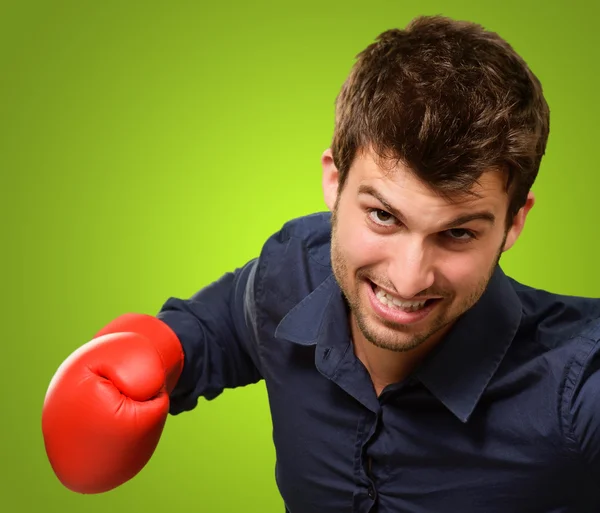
x=387, y=367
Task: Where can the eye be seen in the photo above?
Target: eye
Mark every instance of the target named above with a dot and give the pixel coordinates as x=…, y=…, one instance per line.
x=381, y=217
x=461, y=235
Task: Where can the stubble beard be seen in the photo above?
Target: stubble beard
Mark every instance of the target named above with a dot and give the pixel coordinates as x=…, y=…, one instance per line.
x=398, y=338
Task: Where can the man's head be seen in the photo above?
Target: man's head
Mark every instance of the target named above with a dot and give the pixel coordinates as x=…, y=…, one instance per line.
x=440, y=131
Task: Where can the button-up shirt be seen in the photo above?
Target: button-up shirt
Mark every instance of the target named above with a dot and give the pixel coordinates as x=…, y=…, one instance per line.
x=503, y=416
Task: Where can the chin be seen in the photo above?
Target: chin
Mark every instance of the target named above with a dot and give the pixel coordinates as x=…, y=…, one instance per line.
x=396, y=346
x=393, y=339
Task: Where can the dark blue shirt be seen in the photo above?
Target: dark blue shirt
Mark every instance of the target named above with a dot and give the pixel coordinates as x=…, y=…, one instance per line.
x=502, y=417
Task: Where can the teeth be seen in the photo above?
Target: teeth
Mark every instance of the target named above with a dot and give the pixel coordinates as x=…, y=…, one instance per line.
x=408, y=306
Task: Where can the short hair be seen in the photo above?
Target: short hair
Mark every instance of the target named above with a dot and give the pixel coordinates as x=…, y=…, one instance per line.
x=450, y=100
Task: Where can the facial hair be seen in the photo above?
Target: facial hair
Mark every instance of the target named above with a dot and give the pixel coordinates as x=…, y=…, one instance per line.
x=401, y=339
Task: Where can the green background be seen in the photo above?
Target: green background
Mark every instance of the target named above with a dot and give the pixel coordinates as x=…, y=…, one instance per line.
x=147, y=148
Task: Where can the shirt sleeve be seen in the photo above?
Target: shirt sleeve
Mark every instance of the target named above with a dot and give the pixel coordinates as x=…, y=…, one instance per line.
x=585, y=407
x=216, y=328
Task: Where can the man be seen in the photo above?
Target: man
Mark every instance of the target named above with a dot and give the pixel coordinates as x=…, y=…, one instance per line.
x=405, y=371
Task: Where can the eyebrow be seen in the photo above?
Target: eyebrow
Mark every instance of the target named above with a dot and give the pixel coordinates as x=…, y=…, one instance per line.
x=458, y=221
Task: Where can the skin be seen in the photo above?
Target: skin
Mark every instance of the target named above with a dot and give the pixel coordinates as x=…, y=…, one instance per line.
x=416, y=253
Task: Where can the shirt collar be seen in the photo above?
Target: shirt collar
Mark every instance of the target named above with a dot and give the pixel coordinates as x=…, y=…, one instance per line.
x=459, y=369
x=305, y=323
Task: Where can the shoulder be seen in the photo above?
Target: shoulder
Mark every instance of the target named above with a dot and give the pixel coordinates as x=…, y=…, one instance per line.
x=294, y=260
x=580, y=401
x=303, y=237
x=559, y=340
x=555, y=319
x=312, y=233
x=563, y=332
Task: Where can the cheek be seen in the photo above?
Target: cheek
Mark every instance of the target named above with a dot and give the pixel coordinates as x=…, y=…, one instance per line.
x=459, y=272
x=360, y=246
x=464, y=271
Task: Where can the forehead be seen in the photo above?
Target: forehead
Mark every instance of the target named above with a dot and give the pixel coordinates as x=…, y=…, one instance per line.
x=404, y=190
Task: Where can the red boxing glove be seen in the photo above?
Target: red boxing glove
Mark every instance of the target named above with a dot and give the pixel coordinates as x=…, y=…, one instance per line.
x=108, y=402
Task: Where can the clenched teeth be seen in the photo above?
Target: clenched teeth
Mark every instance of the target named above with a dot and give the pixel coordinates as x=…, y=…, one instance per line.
x=407, y=306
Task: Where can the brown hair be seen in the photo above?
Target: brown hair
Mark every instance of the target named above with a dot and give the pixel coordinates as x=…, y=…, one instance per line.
x=450, y=100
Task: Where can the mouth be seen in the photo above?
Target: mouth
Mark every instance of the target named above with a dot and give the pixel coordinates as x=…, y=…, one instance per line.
x=399, y=311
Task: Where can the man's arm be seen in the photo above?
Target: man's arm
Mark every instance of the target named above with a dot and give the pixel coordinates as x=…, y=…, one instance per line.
x=216, y=328
x=107, y=404
x=582, y=402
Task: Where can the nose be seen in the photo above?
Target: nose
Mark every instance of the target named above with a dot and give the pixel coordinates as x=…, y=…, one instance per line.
x=410, y=269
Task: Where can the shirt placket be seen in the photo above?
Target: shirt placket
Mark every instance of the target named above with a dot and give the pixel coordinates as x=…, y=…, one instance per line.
x=365, y=493
x=339, y=364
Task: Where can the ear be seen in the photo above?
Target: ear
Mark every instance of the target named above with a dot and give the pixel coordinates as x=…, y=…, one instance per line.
x=330, y=179
x=519, y=222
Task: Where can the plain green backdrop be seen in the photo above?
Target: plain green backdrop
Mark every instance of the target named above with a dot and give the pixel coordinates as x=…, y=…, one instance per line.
x=148, y=147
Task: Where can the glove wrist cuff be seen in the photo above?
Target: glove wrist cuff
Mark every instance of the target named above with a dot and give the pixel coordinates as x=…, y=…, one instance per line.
x=161, y=336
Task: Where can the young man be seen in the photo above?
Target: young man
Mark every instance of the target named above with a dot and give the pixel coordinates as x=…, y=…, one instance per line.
x=405, y=371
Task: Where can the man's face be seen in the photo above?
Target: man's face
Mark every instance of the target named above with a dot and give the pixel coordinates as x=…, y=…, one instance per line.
x=406, y=262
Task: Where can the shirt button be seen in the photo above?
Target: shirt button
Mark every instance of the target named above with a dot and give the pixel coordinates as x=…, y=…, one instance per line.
x=371, y=492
